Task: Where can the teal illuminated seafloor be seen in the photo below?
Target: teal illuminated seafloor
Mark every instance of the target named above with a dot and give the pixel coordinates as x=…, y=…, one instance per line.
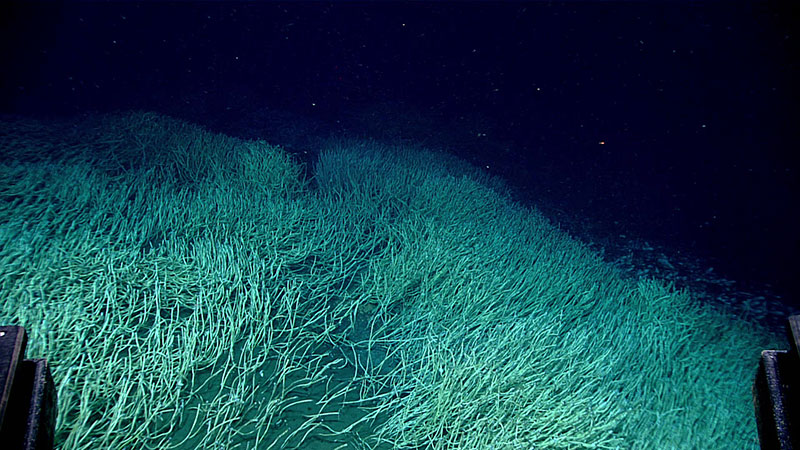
x=193, y=290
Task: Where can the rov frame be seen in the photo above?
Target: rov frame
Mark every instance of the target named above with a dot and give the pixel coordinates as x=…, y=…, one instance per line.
x=27, y=395
x=776, y=394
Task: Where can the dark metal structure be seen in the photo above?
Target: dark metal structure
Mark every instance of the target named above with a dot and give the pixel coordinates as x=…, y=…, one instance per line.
x=775, y=394
x=27, y=398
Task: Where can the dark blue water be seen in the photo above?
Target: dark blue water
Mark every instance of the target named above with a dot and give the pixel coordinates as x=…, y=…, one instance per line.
x=664, y=133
